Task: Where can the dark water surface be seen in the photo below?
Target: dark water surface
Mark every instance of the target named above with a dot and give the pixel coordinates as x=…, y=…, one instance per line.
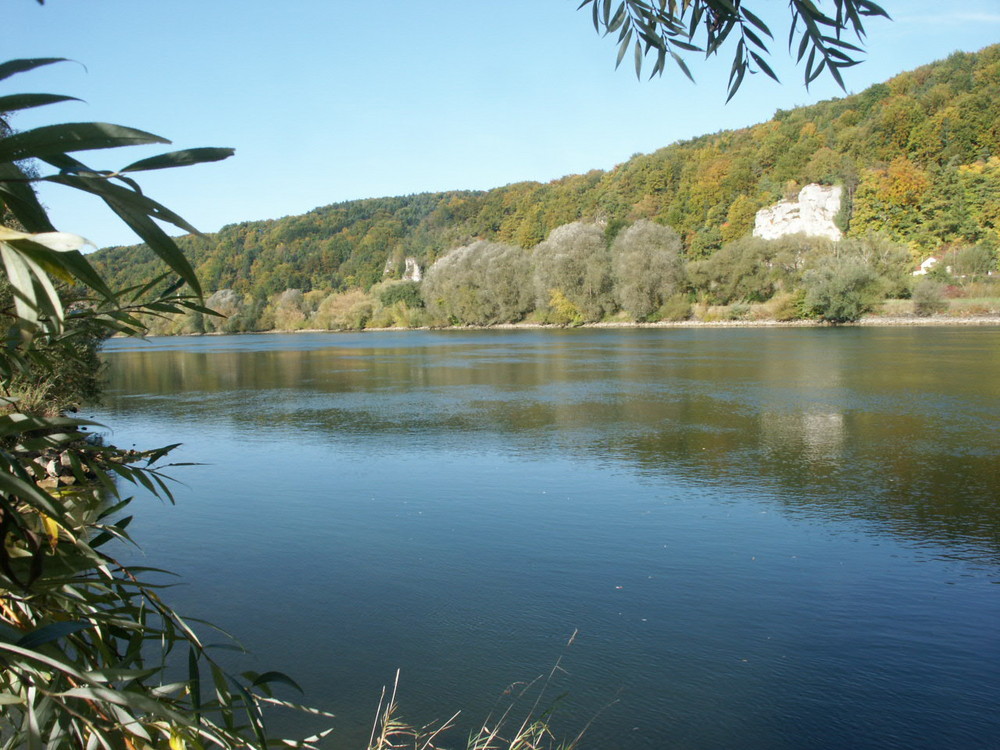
x=765, y=538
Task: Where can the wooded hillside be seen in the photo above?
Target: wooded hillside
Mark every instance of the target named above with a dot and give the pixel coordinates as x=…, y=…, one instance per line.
x=918, y=156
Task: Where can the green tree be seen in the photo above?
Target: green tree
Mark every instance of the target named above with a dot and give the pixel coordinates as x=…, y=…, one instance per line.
x=842, y=290
x=480, y=284
x=752, y=269
x=970, y=263
x=891, y=261
x=286, y=311
x=646, y=267
x=406, y=292
x=928, y=298
x=661, y=29
x=574, y=261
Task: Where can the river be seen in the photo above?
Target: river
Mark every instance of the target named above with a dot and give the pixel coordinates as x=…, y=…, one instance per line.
x=762, y=538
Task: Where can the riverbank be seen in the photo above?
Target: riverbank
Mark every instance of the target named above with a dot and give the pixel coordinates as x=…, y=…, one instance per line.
x=869, y=321
x=874, y=320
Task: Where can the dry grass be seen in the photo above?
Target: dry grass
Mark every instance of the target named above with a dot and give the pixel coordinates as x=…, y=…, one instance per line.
x=895, y=308
x=965, y=307
x=500, y=731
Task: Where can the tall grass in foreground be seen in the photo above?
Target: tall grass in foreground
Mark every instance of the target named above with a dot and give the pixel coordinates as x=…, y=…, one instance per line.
x=501, y=730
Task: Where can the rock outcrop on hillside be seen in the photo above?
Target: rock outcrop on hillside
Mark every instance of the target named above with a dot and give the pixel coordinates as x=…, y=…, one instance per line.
x=412, y=272
x=812, y=214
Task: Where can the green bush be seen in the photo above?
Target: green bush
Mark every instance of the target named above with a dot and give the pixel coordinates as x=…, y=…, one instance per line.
x=676, y=308
x=345, y=311
x=407, y=292
x=752, y=269
x=842, y=291
x=786, y=306
x=928, y=298
x=738, y=311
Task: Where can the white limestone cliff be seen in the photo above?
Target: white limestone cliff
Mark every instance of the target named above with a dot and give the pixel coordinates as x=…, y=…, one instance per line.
x=812, y=213
x=412, y=272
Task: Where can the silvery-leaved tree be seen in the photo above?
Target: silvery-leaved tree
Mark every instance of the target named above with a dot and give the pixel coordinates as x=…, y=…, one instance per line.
x=85, y=641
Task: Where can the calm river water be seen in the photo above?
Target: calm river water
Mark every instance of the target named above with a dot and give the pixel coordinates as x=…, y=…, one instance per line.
x=763, y=538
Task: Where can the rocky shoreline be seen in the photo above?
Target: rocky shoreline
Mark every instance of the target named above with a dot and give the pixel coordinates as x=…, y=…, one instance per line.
x=866, y=322
x=871, y=321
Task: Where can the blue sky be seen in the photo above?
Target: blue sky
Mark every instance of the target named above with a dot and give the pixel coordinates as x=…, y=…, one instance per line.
x=333, y=100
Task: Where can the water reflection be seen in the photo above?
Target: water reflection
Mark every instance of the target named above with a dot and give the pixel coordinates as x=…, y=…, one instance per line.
x=768, y=539
x=897, y=427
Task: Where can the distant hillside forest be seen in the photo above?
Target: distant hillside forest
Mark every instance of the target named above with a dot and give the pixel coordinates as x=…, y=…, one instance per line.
x=663, y=236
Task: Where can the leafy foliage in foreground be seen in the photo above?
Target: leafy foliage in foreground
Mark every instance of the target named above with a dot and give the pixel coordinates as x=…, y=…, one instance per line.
x=658, y=29
x=86, y=642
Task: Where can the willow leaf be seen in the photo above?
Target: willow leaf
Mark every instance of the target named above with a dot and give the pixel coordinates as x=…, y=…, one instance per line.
x=70, y=137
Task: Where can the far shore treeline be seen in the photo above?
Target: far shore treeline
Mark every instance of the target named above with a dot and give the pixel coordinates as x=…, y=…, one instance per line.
x=664, y=236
